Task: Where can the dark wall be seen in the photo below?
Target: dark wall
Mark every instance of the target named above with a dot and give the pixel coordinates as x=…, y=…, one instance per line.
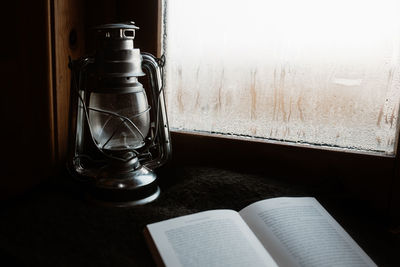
x=143, y=13
x=25, y=117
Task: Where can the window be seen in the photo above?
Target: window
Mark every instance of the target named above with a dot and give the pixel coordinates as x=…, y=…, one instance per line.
x=306, y=72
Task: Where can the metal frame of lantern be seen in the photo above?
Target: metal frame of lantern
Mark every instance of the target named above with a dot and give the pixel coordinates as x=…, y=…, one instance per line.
x=113, y=178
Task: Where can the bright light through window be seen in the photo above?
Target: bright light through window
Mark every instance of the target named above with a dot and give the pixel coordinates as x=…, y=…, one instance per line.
x=318, y=72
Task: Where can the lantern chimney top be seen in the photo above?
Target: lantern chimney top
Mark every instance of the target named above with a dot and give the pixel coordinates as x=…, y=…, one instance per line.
x=117, y=30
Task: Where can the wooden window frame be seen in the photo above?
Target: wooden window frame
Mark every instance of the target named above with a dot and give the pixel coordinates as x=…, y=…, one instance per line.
x=372, y=178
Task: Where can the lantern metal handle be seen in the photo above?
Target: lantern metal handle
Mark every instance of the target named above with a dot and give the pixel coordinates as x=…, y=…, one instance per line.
x=154, y=67
x=78, y=69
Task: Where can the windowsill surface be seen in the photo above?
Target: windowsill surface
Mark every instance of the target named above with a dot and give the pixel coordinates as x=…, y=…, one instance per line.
x=53, y=225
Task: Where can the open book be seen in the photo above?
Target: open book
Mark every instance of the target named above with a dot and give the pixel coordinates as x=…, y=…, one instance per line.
x=273, y=232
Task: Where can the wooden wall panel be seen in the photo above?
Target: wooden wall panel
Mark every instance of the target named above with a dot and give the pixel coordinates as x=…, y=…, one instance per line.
x=68, y=40
x=97, y=12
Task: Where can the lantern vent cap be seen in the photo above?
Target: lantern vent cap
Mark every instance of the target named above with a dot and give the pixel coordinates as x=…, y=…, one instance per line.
x=117, y=30
x=124, y=25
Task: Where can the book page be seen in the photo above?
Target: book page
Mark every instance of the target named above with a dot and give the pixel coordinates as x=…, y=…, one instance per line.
x=210, y=238
x=300, y=232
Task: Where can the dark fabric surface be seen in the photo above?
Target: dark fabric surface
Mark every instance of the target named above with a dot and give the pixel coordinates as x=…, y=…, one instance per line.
x=55, y=226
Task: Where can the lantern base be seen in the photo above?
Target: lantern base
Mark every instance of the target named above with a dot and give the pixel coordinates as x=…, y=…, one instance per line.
x=122, y=188
x=94, y=199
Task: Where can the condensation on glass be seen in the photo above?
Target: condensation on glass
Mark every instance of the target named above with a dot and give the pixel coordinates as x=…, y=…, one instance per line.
x=310, y=71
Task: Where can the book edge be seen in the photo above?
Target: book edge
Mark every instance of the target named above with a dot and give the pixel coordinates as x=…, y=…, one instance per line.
x=153, y=248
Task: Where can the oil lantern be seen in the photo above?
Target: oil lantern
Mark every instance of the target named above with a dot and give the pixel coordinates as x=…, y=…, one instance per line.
x=118, y=127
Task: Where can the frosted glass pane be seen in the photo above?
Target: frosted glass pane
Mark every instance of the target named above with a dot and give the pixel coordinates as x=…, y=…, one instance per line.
x=312, y=71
